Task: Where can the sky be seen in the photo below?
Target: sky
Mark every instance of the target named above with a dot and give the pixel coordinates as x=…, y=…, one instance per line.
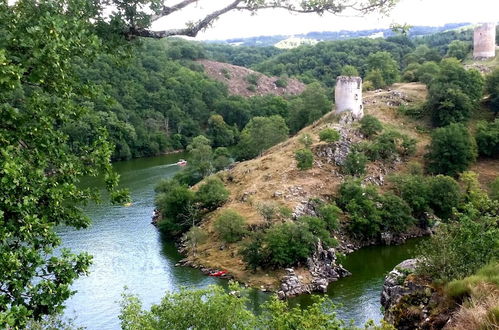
x=272, y=22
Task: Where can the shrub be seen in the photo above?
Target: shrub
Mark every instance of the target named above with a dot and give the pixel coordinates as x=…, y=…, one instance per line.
x=195, y=236
x=370, y=126
x=252, y=79
x=318, y=228
x=212, y=194
x=375, y=79
x=253, y=252
x=361, y=205
x=304, y=159
x=492, y=87
x=355, y=163
x=443, y=195
x=306, y=140
x=415, y=190
x=230, y=226
x=349, y=70
x=388, y=145
x=494, y=189
x=282, y=82
x=330, y=213
x=415, y=110
x=395, y=213
x=268, y=210
x=329, y=135
x=451, y=151
x=460, y=248
x=177, y=208
x=448, y=105
x=289, y=243
x=487, y=138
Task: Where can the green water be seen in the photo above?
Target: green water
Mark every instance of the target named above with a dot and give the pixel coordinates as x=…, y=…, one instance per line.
x=129, y=252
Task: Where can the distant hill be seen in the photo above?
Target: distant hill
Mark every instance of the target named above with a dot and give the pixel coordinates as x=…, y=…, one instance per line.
x=262, y=41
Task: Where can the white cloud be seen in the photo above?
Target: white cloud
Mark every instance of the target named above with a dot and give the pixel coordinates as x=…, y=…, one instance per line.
x=272, y=22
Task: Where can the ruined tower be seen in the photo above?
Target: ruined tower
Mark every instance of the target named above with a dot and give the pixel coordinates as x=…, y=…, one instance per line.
x=348, y=95
x=484, y=41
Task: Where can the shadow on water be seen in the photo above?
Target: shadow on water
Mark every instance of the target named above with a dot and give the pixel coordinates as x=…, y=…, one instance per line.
x=129, y=251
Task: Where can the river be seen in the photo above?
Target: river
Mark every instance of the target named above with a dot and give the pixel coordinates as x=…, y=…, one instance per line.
x=129, y=252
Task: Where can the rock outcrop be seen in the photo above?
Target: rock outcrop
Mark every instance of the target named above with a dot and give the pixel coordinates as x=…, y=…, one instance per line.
x=409, y=301
x=324, y=269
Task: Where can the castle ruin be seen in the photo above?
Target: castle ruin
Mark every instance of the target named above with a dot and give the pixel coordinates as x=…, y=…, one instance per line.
x=484, y=41
x=348, y=95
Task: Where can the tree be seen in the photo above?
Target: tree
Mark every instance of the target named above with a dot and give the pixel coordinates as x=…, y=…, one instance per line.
x=176, y=205
x=487, y=138
x=451, y=151
x=384, y=62
x=448, y=105
x=444, y=195
x=212, y=194
x=458, y=49
x=310, y=106
x=201, y=156
x=492, y=87
x=349, y=70
x=355, y=163
x=134, y=18
x=230, y=226
x=40, y=174
x=260, y=134
x=370, y=126
x=221, y=134
x=304, y=159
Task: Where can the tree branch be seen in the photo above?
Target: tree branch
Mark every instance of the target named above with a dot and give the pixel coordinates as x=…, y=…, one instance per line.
x=166, y=10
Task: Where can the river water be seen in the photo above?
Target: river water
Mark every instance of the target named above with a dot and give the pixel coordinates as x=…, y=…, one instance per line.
x=129, y=252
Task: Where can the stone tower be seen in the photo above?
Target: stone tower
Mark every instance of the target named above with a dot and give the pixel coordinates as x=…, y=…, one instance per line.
x=484, y=41
x=348, y=95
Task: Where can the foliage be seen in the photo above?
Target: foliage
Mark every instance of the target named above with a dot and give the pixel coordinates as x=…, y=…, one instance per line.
x=395, y=213
x=492, y=87
x=260, y=134
x=230, y=225
x=176, y=205
x=282, y=82
x=355, y=163
x=304, y=159
x=370, y=126
x=454, y=93
x=39, y=172
x=318, y=227
x=444, y=195
x=268, y=210
x=389, y=145
x=329, y=135
x=349, y=70
x=220, y=133
x=494, y=189
x=310, y=106
x=252, y=79
x=253, y=252
x=288, y=243
x=487, y=138
x=212, y=194
x=459, y=249
x=415, y=191
x=459, y=49
x=306, y=140
x=360, y=203
x=330, y=213
x=451, y=151
x=195, y=236
x=374, y=80
x=387, y=66
x=201, y=156
x=215, y=308
x=458, y=289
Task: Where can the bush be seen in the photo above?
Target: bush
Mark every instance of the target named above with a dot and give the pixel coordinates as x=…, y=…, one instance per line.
x=282, y=82
x=304, y=159
x=268, y=210
x=460, y=248
x=212, y=194
x=374, y=79
x=230, y=226
x=289, y=243
x=306, y=140
x=318, y=228
x=415, y=191
x=330, y=213
x=452, y=150
x=195, y=236
x=253, y=252
x=361, y=205
x=355, y=163
x=252, y=79
x=443, y=195
x=448, y=105
x=370, y=126
x=329, y=135
x=487, y=138
x=395, y=213
x=492, y=87
x=349, y=70
x=494, y=189
x=389, y=145
x=176, y=205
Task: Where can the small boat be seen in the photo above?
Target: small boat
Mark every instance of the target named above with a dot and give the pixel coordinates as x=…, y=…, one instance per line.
x=182, y=162
x=219, y=273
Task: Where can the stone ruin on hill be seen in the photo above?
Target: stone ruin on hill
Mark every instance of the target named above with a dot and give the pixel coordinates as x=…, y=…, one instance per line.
x=484, y=41
x=348, y=95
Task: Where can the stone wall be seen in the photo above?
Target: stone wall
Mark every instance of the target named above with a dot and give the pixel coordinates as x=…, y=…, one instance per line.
x=484, y=41
x=348, y=95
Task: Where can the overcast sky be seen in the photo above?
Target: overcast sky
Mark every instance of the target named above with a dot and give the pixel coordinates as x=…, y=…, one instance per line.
x=271, y=22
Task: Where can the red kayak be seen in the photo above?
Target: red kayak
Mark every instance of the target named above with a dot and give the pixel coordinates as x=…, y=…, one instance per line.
x=219, y=273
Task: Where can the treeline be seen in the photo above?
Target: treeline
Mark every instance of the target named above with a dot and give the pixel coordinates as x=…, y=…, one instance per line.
x=158, y=99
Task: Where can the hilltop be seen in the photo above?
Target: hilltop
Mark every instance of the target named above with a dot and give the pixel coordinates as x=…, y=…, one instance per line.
x=246, y=82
